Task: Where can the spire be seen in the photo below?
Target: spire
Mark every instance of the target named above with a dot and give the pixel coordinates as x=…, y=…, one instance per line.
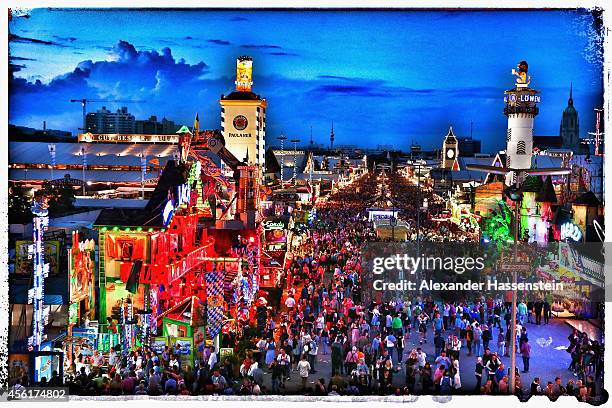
x=331, y=135
x=451, y=133
x=311, y=142
x=246, y=159
x=570, y=101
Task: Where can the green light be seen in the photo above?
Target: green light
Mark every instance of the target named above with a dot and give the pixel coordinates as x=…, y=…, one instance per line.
x=150, y=229
x=115, y=228
x=139, y=229
x=103, y=229
x=163, y=230
x=128, y=229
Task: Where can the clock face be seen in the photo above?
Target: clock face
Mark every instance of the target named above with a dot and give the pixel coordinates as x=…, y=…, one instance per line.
x=240, y=122
x=450, y=153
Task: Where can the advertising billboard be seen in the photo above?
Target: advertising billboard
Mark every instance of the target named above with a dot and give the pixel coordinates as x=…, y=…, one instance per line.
x=244, y=74
x=23, y=261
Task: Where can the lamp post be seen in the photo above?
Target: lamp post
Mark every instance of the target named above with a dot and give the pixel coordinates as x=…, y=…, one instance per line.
x=84, y=158
x=295, y=142
x=282, y=139
x=513, y=193
x=418, y=202
x=393, y=223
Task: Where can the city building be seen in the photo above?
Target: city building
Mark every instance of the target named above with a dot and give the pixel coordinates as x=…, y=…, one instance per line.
x=152, y=127
x=243, y=117
x=105, y=121
x=468, y=146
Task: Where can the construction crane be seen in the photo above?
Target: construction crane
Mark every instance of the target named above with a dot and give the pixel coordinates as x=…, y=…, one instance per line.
x=84, y=102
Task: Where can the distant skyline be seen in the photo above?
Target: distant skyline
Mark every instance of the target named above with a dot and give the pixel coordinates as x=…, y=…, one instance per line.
x=382, y=77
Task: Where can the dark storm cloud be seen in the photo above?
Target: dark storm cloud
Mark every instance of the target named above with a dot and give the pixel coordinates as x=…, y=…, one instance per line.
x=167, y=86
x=16, y=67
x=14, y=58
x=342, y=85
x=65, y=39
x=261, y=46
x=350, y=90
x=284, y=54
x=219, y=42
x=27, y=40
x=335, y=77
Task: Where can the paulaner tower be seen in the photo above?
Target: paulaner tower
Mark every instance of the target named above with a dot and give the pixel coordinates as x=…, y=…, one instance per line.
x=243, y=117
x=521, y=109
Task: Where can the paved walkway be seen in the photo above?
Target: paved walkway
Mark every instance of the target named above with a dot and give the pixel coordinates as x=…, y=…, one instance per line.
x=549, y=359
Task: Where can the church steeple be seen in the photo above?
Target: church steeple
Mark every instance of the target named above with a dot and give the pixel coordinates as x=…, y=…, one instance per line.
x=570, y=128
x=331, y=136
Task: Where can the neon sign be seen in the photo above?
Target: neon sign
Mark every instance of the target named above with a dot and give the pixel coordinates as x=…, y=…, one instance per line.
x=274, y=225
x=571, y=231
x=184, y=194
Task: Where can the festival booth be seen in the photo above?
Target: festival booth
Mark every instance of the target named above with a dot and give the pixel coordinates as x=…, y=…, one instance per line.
x=151, y=260
x=184, y=324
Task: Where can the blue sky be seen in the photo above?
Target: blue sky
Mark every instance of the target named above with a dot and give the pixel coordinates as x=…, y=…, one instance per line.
x=382, y=77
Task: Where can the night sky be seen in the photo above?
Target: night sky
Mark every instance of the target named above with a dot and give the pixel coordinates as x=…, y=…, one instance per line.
x=387, y=77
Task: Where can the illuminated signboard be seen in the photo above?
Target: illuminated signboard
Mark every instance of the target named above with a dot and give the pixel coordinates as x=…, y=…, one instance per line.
x=127, y=138
x=275, y=235
x=513, y=98
x=274, y=225
x=571, y=231
x=380, y=214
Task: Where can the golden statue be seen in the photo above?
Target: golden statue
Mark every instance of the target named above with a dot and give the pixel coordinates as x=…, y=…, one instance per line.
x=522, y=80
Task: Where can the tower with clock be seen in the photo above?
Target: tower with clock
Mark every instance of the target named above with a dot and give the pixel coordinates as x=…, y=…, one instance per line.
x=243, y=117
x=450, y=151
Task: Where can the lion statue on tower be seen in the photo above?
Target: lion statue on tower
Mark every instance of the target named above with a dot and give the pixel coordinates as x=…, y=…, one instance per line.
x=522, y=79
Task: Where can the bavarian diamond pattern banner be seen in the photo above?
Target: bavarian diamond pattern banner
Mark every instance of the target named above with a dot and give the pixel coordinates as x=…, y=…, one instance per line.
x=214, y=302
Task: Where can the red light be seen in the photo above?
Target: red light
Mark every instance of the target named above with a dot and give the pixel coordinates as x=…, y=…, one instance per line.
x=251, y=239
